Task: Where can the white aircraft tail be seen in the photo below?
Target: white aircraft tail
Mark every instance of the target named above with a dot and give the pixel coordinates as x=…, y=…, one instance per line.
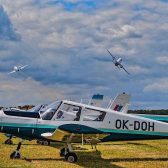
x=96, y=100
x=120, y=103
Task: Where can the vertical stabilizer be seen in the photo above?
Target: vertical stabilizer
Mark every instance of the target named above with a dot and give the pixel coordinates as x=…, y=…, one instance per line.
x=120, y=103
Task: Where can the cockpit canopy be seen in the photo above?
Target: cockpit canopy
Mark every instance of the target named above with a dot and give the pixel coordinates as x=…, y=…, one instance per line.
x=68, y=111
x=48, y=112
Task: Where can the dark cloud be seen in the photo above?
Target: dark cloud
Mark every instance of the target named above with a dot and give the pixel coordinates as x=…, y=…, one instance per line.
x=7, y=31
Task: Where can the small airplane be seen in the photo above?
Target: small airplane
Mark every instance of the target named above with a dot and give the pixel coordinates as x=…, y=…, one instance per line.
x=117, y=62
x=121, y=101
x=36, y=108
x=17, y=69
x=66, y=121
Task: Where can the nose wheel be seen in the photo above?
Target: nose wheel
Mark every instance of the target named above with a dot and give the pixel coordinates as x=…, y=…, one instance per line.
x=16, y=154
x=9, y=142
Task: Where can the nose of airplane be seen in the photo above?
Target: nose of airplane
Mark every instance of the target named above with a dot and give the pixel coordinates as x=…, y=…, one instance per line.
x=1, y=112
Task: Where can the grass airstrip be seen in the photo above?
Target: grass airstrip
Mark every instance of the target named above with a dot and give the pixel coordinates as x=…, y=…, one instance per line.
x=135, y=154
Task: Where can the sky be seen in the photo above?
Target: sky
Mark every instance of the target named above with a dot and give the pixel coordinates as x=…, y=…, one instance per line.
x=64, y=43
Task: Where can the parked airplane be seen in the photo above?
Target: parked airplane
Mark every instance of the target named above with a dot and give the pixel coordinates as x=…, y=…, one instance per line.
x=34, y=109
x=119, y=104
x=17, y=69
x=65, y=121
x=117, y=62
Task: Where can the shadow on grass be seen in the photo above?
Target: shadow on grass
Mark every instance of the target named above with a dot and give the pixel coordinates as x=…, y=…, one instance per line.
x=141, y=144
x=85, y=159
x=138, y=159
x=94, y=159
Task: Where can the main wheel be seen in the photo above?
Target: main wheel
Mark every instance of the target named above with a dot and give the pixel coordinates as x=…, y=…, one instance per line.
x=46, y=143
x=15, y=155
x=9, y=142
x=71, y=157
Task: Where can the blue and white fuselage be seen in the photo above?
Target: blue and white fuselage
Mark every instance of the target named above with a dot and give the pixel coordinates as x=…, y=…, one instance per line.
x=63, y=118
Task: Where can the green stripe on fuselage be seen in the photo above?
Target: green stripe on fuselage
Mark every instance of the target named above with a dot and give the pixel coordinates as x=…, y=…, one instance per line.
x=27, y=125
x=158, y=118
x=105, y=130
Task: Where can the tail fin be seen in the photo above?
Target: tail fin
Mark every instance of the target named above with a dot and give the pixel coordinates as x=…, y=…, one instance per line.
x=96, y=100
x=120, y=103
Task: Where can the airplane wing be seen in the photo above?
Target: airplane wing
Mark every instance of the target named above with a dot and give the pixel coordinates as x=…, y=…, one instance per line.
x=121, y=66
x=11, y=72
x=22, y=67
x=113, y=58
x=64, y=133
x=125, y=70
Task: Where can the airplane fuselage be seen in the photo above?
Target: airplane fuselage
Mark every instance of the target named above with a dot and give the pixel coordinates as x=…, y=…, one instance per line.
x=109, y=126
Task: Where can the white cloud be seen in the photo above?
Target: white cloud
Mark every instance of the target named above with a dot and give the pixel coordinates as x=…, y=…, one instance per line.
x=59, y=44
x=135, y=69
x=18, y=91
x=127, y=31
x=162, y=60
x=160, y=85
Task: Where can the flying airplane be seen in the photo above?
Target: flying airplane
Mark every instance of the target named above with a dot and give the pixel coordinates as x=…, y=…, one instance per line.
x=65, y=121
x=17, y=69
x=117, y=62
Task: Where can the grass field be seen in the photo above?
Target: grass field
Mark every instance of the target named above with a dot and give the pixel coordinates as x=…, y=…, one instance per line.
x=135, y=154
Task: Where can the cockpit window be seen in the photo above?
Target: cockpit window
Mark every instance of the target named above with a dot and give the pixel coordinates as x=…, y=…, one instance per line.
x=93, y=115
x=68, y=112
x=48, y=112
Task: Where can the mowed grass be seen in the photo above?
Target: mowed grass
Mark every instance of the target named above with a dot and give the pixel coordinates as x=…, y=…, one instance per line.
x=135, y=154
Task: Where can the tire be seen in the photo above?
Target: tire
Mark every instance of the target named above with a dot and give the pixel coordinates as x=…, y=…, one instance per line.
x=71, y=157
x=9, y=142
x=15, y=155
x=46, y=143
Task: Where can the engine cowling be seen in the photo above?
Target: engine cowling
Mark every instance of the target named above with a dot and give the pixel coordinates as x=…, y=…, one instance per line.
x=119, y=60
x=15, y=68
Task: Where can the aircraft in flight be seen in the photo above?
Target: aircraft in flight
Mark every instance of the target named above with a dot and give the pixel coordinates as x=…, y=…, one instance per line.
x=117, y=62
x=66, y=121
x=17, y=69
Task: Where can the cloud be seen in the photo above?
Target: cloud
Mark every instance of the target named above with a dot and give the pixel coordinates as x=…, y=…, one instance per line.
x=65, y=44
x=162, y=60
x=135, y=69
x=160, y=85
x=127, y=31
x=20, y=91
x=7, y=31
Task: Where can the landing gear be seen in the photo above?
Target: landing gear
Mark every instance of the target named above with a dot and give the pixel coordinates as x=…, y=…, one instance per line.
x=16, y=154
x=63, y=152
x=68, y=154
x=46, y=143
x=94, y=146
x=71, y=157
x=9, y=142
